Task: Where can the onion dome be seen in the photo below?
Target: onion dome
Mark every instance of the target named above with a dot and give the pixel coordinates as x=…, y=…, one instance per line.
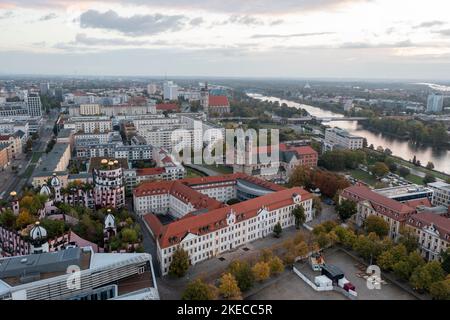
x=110, y=221
x=45, y=190
x=55, y=181
x=38, y=232
x=13, y=194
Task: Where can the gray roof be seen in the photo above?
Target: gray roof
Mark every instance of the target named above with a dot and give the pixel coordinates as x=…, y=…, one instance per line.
x=35, y=264
x=49, y=161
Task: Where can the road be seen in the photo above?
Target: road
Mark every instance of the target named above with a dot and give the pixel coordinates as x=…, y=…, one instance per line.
x=11, y=181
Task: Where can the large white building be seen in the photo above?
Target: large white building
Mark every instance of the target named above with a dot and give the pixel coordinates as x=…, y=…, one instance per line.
x=441, y=193
x=102, y=276
x=205, y=227
x=89, y=124
x=170, y=90
x=340, y=137
x=435, y=103
x=34, y=105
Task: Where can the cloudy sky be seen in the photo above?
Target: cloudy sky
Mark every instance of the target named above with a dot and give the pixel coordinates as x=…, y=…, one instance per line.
x=256, y=38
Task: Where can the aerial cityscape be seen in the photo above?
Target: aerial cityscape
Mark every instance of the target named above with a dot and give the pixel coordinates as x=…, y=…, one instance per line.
x=244, y=151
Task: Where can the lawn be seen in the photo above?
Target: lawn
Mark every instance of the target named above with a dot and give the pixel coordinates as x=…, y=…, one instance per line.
x=29, y=171
x=35, y=157
x=414, y=179
x=190, y=173
x=363, y=176
x=219, y=168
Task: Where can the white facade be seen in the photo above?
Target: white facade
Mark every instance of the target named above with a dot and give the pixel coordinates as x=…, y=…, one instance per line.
x=170, y=91
x=337, y=136
x=441, y=193
x=435, y=103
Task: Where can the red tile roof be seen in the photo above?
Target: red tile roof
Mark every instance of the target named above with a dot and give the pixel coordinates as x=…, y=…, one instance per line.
x=5, y=137
x=383, y=205
x=218, y=101
x=441, y=223
x=418, y=202
x=167, y=107
x=300, y=150
x=214, y=220
x=150, y=171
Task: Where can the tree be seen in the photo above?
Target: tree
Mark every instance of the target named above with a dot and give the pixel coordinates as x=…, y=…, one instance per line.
x=55, y=228
x=317, y=206
x=180, y=263
x=277, y=229
x=301, y=176
x=430, y=165
x=7, y=219
x=243, y=274
x=129, y=235
x=376, y=224
x=345, y=209
x=389, y=258
x=265, y=255
x=276, y=266
x=199, y=290
x=380, y=169
x=446, y=260
x=429, y=179
x=403, y=171
x=299, y=216
x=229, y=288
x=408, y=239
x=367, y=247
x=424, y=276
x=24, y=218
x=261, y=270
x=405, y=268
x=441, y=290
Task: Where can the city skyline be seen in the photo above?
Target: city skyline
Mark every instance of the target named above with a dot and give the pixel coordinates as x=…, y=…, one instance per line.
x=287, y=39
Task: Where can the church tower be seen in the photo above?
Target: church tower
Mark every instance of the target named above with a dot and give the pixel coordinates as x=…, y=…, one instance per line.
x=56, y=185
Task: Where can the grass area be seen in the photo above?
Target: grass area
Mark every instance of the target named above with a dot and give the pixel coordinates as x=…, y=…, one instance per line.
x=363, y=176
x=28, y=172
x=35, y=157
x=414, y=179
x=219, y=168
x=190, y=173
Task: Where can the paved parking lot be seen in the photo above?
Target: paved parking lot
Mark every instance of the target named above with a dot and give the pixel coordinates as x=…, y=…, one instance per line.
x=291, y=287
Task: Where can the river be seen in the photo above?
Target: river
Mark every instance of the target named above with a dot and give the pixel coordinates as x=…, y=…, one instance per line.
x=399, y=148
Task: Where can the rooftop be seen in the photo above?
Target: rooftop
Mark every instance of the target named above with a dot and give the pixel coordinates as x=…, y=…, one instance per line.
x=218, y=101
x=393, y=192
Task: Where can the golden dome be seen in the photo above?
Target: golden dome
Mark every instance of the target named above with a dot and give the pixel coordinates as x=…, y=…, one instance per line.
x=116, y=161
x=110, y=163
x=13, y=194
x=104, y=161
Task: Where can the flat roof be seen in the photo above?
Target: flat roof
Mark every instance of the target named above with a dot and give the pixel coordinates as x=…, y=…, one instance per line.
x=392, y=192
x=50, y=160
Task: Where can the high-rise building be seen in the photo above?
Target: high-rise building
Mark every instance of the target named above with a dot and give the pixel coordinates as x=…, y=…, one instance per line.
x=34, y=105
x=170, y=90
x=44, y=88
x=435, y=103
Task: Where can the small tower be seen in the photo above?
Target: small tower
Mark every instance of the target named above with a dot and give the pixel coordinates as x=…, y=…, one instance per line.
x=204, y=98
x=110, y=228
x=38, y=236
x=56, y=185
x=14, y=202
x=45, y=190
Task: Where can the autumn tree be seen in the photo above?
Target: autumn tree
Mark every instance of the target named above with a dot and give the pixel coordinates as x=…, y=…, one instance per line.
x=199, y=290
x=389, y=258
x=345, y=236
x=441, y=290
x=24, y=218
x=229, y=288
x=409, y=239
x=180, y=263
x=276, y=266
x=299, y=216
x=261, y=270
x=243, y=274
x=317, y=206
x=445, y=255
x=7, y=219
x=376, y=224
x=404, y=268
x=380, y=169
x=301, y=176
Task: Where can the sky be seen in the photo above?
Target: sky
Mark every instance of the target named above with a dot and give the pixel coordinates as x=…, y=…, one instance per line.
x=386, y=39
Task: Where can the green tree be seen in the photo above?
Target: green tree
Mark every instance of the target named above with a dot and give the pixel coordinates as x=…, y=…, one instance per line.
x=55, y=228
x=430, y=165
x=180, y=263
x=367, y=247
x=243, y=274
x=408, y=239
x=277, y=229
x=129, y=235
x=7, y=219
x=199, y=290
x=403, y=171
x=405, y=268
x=299, y=216
x=424, y=276
x=229, y=288
x=346, y=209
x=445, y=256
x=317, y=206
x=441, y=290
x=389, y=258
x=429, y=178
x=376, y=224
